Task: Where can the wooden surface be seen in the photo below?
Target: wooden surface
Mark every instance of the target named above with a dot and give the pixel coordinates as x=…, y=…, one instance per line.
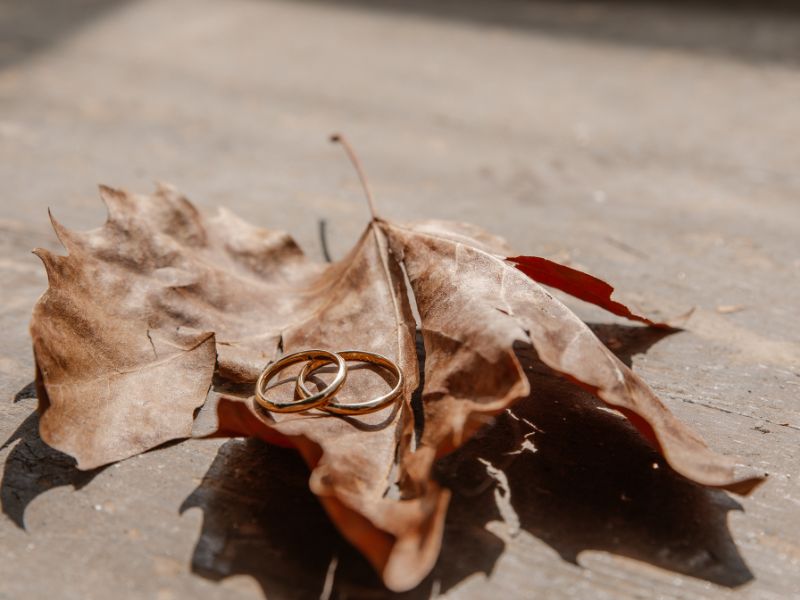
x=657, y=148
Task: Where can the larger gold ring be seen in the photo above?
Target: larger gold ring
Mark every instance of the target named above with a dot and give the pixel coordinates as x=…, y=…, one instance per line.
x=357, y=408
x=307, y=401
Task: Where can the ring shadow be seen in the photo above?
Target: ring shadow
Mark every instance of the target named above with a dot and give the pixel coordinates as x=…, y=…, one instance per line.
x=579, y=478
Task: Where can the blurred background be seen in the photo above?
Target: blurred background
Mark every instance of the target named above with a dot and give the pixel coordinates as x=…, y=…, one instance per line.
x=654, y=144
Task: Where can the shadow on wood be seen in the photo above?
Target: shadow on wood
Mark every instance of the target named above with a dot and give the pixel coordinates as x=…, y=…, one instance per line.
x=585, y=480
x=35, y=25
x=32, y=468
x=260, y=519
x=753, y=31
x=574, y=475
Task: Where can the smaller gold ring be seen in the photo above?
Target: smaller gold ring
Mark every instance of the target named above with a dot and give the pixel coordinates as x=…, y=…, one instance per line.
x=358, y=408
x=307, y=401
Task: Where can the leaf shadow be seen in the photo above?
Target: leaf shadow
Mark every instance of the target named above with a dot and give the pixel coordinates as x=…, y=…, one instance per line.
x=32, y=468
x=625, y=341
x=260, y=519
x=25, y=393
x=580, y=477
x=563, y=469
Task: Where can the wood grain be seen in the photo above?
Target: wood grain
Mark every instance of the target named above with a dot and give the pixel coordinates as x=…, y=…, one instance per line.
x=663, y=160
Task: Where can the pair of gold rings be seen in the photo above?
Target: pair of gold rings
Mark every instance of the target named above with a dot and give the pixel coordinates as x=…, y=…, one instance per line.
x=316, y=359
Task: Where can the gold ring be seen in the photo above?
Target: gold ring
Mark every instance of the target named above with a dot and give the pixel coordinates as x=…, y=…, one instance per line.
x=309, y=400
x=359, y=407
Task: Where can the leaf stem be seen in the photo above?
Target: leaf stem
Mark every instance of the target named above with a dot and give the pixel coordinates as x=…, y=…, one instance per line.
x=338, y=137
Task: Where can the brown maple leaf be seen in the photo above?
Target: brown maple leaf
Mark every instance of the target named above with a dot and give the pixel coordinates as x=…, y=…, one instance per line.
x=144, y=310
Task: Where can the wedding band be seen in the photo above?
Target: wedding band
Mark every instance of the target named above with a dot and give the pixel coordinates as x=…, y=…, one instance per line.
x=359, y=407
x=307, y=401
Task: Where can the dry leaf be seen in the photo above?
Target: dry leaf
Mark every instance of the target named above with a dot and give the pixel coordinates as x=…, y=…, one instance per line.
x=124, y=339
x=475, y=306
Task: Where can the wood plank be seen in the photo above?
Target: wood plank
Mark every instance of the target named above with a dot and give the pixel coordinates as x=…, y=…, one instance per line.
x=661, y=156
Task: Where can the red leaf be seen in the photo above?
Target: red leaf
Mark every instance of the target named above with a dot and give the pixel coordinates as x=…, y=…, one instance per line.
x=579, y=284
